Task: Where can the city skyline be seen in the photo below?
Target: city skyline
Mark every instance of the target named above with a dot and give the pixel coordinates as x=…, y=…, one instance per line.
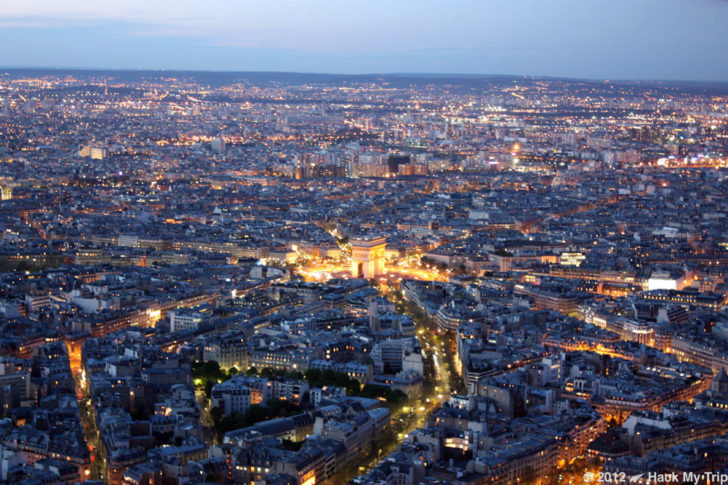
x=646, y=40
x=291, y=279
x=371, y=243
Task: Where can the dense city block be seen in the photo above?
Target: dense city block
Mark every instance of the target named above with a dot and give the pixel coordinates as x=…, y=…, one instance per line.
x=282, y=279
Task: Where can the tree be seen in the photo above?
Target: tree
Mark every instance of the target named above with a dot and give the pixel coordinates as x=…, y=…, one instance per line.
x=255, y=414
x=341, y=380
x=396, y=397
x=22, y=267
x=231, y=422
x=328, y=376
x=353, y=388
x=207, y=370
x=269, y=373
x=374, y=391
x=216, y=415
x=293, y=374
x=209, y=384
x=280, y=407
x=313, y=377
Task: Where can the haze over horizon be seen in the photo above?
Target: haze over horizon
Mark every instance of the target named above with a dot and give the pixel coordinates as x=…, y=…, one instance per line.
x=620, y=40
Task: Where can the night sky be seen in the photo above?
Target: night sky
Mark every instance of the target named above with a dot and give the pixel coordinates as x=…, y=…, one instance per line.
x=619, y=39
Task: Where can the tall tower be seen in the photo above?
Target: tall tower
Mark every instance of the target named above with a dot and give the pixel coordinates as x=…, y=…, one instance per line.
x=368, y=256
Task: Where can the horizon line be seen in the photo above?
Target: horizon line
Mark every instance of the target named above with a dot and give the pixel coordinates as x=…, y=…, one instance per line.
x=443, y=75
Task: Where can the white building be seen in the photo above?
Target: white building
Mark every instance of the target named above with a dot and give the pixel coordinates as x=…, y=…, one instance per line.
x=186, y=319
x=231, y=396
x=397, y=355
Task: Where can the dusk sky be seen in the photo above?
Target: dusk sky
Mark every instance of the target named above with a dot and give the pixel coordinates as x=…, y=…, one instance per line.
x=617, y=39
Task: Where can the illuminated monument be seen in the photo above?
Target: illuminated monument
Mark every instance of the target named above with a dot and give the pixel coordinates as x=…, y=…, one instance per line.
x=7, y=192
x=368, y=257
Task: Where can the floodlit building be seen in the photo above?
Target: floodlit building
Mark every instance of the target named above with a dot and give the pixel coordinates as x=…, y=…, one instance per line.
x=368, y=257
